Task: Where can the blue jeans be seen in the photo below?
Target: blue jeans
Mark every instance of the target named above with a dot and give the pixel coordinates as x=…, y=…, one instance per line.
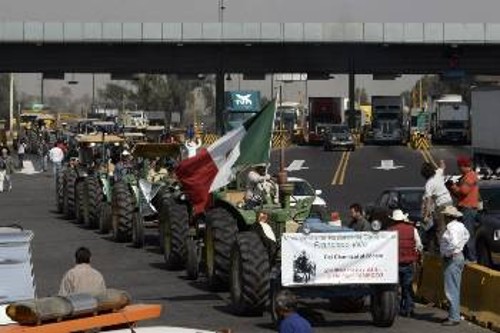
x=453, y=268
x=406, y=305
x=469, y=219
x=56, y=167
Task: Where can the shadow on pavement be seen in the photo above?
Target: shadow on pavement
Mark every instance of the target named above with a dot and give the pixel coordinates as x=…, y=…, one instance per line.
x=197, y=297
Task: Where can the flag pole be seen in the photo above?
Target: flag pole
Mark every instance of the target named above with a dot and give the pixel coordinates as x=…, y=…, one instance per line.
x=282, y=175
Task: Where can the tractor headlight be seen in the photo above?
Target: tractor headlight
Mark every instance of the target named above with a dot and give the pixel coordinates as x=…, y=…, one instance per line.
x=376, y=225
x=182, y=197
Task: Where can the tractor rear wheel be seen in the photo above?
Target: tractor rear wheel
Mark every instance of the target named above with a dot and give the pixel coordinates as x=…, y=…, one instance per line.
x=174, y=224
x=93, y=202
x=123, y=209
x=105, y=218
x=220, y=236
x=193, y=259
x=384, y=306
x=69, y=193
x=250, y=274
x=80, y=202
x=60, y=191
x=138, y=230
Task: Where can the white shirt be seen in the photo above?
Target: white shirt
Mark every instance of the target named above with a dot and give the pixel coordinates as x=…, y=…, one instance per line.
x=252, y=189
x=436, y=190
x=56, y=155
x=454, y=239
x=21, y=149
x=192, y=148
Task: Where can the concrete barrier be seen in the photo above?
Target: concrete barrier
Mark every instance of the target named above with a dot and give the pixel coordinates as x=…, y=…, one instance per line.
x=480, y=291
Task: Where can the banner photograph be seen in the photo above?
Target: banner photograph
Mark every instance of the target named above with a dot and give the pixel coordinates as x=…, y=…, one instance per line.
x=339, y=258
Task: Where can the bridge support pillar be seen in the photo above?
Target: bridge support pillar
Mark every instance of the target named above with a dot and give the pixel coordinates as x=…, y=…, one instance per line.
x=219, y=102
x=352, y=85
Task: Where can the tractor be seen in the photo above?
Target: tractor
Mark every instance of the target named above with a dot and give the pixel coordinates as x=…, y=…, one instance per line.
x=257, y=262
x=138, y=198
x=94, y=190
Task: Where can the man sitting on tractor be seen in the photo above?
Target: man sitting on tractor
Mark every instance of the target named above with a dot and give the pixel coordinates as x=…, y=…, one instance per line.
x=157, y=172
x=260, y=189
x=123, y=166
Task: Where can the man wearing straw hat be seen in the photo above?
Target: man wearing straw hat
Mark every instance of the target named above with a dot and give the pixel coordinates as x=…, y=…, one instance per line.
x=454, y=239
x=410, y=245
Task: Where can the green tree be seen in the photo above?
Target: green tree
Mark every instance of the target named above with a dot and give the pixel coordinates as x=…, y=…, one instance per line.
x=114, y=95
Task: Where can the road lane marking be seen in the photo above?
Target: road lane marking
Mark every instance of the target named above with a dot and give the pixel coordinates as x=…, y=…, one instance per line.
x=342, y=174
x=338, y=178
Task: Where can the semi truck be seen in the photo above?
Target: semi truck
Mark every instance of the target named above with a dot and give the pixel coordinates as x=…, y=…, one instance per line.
x=485, y=102
x=323, y=112
x=450, y=120
x=387, y=120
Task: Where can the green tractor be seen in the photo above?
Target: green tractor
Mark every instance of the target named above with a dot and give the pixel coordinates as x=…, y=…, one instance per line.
x=92, y=174
x=94, y=191
x=257, y=261
x=139, y=197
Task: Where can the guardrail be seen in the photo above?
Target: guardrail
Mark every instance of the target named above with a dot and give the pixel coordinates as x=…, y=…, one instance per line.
x=479, y=291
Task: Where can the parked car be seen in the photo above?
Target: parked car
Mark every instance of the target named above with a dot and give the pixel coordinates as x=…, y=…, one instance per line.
x=488, y=232
x=338, y=136
x=408, y=199
x=302, y=190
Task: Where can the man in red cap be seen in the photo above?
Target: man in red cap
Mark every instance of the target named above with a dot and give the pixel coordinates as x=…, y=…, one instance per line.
x=466, y=191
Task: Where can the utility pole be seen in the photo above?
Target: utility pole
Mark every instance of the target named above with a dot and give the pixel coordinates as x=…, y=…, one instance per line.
x=221, y=9
x=11, y=103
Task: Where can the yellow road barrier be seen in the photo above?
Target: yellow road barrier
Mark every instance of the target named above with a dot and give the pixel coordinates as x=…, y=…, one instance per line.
x=480, y=288
x=281, y=139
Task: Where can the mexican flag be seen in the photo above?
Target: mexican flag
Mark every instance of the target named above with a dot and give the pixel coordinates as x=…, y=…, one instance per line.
x=212, y=168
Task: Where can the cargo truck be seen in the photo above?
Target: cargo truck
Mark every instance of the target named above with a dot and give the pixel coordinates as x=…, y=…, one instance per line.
x=323, y=112
x=387, y=120
x=485, y=102
x=450, y=120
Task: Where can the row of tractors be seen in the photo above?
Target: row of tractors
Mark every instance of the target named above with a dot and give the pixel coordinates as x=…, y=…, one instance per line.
x=233, y=246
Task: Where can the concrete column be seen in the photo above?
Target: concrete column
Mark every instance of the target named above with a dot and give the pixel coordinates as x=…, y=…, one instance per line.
x=219, y=102
x=352, y=84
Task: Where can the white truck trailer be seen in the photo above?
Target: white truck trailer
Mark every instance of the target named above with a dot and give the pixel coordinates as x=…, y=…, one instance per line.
x=485, y=108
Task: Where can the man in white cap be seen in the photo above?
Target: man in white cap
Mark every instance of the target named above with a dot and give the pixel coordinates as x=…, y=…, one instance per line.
x=410, y=245
x=452, y=243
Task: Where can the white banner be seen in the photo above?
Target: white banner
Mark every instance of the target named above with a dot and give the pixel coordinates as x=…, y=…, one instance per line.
x=339, y=258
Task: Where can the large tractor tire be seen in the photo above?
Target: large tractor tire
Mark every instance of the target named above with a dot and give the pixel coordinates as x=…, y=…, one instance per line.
x=93, y=203
x=123, y=210
x=193, y=259
x=250, y=274
x=60, y=191
x=80, y=202
x=174, y=225
x=69, y=193
x=105, y=218
x=220, y=236
x=138, y=231
x=384, y=304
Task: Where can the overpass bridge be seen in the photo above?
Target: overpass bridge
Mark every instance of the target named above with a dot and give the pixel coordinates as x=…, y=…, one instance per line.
x=250, y=48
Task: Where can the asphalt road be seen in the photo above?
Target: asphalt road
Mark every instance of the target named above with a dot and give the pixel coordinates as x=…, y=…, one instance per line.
x=143, y=274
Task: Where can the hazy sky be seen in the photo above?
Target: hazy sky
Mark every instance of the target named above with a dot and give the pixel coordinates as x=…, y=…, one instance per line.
x=253, y=10
x=249, y=11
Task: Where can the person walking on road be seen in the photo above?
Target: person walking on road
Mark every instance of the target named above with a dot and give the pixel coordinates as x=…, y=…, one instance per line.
x=21, y=151
x=410, y=246
x=358, y=221
x=6, y=170
x=82, y=278
x=56, y=156
x=466, y=191
x=291, y=321
x=436, y=199
x=452, y=243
